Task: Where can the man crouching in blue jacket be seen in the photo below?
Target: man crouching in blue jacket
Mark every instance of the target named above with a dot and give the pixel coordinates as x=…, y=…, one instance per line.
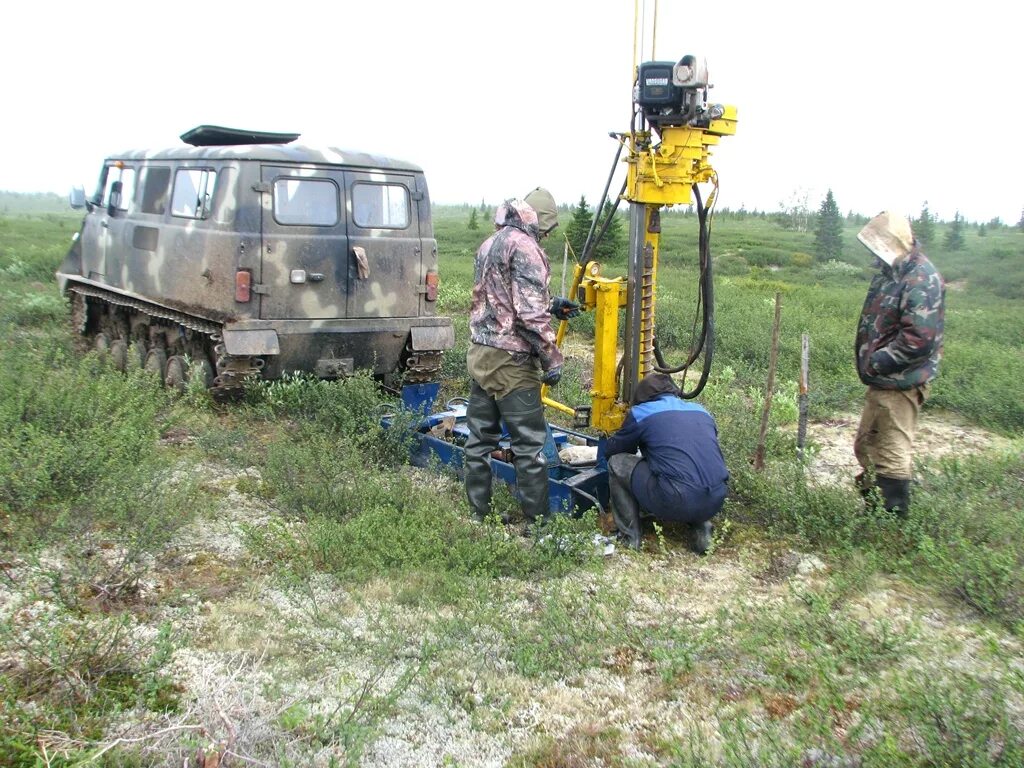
x=680, y=476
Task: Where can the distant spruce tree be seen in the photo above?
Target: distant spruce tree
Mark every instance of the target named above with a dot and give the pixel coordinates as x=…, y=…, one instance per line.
x=1020, y=224
x=474, y=224
x=982, y=229
x=828, y=237
x=612, y=242
x=955, y=234
x=924, y=226
x=579, y=226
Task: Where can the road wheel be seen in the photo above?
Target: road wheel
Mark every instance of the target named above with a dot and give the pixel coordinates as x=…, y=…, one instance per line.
x=176, y=373
x=137, y=355
x=119, y=354
x=156, y=363
x=204, y=370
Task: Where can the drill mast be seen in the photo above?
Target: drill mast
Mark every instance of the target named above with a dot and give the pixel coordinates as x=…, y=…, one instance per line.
x=666, y=158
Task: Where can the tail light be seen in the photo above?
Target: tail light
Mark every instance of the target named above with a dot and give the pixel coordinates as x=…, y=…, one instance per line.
x=243, y=285
x=432, y=281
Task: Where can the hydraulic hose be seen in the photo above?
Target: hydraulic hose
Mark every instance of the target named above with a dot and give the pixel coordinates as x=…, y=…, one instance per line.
x=597, y=214
x=604, y=227
x=705, y=308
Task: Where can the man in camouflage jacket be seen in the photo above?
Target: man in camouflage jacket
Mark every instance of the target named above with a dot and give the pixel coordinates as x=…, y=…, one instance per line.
x=898, y=349
x=512, y=352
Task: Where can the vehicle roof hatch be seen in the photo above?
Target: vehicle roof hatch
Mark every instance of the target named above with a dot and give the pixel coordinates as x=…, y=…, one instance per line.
x=219, y=136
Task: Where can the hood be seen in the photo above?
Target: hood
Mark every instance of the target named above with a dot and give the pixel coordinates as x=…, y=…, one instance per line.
x=888, y=236
x=518, y=214
x=654, y=385
x=543, y=202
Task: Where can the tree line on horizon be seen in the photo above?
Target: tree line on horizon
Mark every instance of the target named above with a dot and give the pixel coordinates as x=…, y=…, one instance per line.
x=826, y=221
x=797, y=216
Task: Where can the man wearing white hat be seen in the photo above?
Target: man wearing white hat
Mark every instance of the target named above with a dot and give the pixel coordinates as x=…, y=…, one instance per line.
x=899, y=346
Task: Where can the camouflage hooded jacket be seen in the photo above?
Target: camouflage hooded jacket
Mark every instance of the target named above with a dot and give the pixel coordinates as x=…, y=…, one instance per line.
x=510, y=293
x=899, y=337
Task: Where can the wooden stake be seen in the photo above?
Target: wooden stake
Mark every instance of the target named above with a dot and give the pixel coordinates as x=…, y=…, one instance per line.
x=773, y=356
x=805, y=358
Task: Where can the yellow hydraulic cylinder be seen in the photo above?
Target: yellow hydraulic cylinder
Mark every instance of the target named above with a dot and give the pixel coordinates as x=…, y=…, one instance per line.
x=607, y=412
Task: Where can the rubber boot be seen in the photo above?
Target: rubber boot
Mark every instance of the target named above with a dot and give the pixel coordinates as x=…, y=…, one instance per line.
x=895, y=494
x=625, y=509
x=484, y=423
x=864, y=488
x=702, y=537
x=523, y=414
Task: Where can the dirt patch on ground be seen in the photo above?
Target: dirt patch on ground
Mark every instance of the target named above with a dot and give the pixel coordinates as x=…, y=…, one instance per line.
x=939, y=434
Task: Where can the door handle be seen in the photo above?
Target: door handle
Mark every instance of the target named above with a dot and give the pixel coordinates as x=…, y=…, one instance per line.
x=105, y=224
x=361, y=262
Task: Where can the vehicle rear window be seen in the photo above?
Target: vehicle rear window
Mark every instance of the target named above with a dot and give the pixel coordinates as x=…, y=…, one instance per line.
x=193, y=192
x=380, y=206
x=309, y=202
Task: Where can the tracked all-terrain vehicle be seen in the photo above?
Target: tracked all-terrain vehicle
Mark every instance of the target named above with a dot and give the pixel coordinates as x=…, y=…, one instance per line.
x=252, y=255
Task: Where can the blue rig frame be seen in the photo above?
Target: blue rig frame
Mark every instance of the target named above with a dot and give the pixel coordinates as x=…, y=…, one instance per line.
x=571, y=489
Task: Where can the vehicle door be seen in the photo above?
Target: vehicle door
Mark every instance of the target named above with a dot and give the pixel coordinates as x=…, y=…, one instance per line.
x=105, y=225
x=304, y=265
x=385, y=259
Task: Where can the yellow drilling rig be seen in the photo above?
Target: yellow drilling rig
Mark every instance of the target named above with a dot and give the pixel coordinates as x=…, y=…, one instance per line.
x=667, y=155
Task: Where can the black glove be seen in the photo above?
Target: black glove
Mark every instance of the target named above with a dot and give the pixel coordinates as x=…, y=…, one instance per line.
x=563, y=309
x=882, y=363
x=552, y=376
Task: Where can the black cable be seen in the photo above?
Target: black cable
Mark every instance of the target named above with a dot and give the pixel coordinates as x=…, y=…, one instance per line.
x=607, y=223
x=705, y=297
x=697, y=348
x=600, y=207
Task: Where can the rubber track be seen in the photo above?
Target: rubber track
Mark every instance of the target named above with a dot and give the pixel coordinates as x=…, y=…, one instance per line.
x=153, y=310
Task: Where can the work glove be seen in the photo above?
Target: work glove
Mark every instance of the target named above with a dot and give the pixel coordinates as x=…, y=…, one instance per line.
x=552, y=376
x=563, y=309
x=882, y=363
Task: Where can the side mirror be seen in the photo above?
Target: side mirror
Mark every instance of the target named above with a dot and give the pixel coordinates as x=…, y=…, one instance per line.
x=76, y=197
x=115, y=198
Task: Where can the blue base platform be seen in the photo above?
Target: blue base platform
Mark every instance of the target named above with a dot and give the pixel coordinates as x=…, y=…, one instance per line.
x=440, y=436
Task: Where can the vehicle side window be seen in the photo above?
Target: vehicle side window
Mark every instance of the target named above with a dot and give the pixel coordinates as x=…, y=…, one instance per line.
x=155, y=187
x=127, y=178
x=380, y=206
x=193, y=192
x=311, y=202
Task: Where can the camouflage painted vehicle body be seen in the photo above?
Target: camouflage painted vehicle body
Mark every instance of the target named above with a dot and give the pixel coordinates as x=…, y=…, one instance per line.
x=261, y=258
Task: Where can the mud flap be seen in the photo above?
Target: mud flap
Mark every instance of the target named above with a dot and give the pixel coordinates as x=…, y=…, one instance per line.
x=424, y=338
x=254, y=342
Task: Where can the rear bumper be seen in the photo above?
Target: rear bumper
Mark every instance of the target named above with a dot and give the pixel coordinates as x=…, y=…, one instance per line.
x=336, y=346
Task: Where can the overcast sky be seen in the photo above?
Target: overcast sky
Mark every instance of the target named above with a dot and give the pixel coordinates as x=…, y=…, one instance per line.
x=888, y=104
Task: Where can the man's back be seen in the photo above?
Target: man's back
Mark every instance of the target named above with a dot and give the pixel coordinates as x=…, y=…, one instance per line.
x=678, y=439
x=900, y=334
x=510, y=308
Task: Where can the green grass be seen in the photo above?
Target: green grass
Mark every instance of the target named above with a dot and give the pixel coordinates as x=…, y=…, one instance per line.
x=982, y=374
x=476, y=618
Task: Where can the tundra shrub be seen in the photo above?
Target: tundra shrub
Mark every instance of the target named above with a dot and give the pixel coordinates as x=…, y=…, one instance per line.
x=68, y=425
